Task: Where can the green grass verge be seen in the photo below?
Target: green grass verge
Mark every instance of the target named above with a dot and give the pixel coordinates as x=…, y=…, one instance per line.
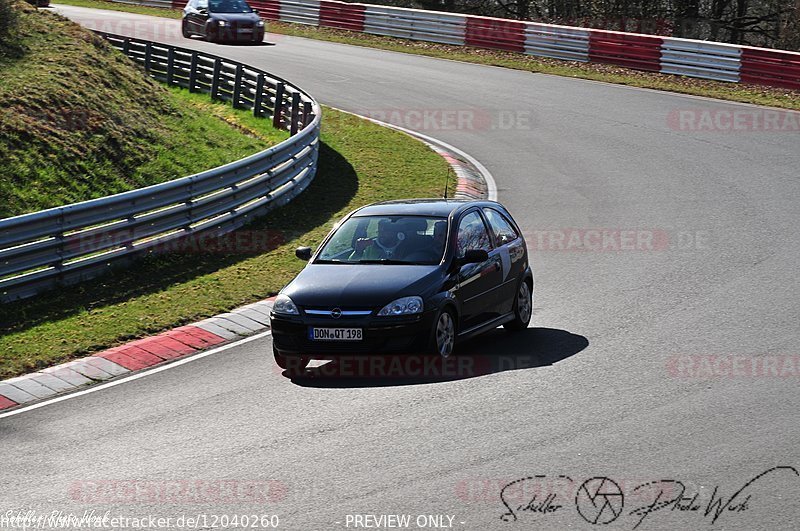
x=756, y=94
x=80, y=121
x=359, y=163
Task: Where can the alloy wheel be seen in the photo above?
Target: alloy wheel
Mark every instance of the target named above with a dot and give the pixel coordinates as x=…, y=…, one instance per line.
x=445, y=334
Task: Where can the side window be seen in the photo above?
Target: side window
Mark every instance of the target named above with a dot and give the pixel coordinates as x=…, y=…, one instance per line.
x=503, y=230
x=202, y=4
x=472, y=234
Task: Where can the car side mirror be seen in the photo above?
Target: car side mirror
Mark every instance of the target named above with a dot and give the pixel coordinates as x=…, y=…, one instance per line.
x=303, y=253
x=474, y=256
x=202, y=11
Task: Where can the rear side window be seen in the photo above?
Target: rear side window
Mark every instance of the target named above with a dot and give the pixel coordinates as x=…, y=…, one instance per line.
x=472, y=234
x=503, y=230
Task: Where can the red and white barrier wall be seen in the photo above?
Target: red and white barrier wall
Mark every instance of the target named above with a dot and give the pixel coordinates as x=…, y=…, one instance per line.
x=701, y=59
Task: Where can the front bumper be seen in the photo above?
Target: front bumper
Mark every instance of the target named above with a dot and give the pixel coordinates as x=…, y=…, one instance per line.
x=381, y=335
x=234, y=34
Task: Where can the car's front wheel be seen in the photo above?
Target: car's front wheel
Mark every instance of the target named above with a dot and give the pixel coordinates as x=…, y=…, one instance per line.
x=443, y=337
x=185, y=30
x=291, y=364
x=209, y=36
x=523, y=308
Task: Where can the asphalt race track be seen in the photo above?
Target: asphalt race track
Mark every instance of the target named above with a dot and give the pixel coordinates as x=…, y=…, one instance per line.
x=668, y=354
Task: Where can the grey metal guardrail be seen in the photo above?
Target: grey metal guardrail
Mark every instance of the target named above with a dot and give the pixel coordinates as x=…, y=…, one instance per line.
x=76, y=242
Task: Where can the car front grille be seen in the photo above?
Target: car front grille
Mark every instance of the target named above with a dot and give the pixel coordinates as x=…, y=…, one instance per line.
x=328, y=313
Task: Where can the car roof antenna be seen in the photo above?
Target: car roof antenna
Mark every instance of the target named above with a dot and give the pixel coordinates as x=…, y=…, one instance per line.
x=447, y=178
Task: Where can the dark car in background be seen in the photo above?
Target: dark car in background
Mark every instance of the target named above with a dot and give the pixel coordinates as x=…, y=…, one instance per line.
x=222, y=20
x=405, y=276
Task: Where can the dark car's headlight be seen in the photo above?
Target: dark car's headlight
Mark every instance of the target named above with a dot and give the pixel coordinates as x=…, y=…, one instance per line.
x=285, y=306
x=403, y=306
x=221, y=23
x=260, y=23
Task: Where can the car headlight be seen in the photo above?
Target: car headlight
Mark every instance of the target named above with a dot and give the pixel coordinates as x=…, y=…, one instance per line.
x=284, y=305
x=221, y=23
x=403, y=306
x=260, y=23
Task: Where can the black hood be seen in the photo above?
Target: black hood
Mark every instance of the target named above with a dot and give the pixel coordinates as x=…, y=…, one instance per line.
x=235, y=17
x=360, y=285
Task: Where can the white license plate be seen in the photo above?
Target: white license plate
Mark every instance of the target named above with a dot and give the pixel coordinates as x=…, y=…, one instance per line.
x=246, y=30
x=334, y=334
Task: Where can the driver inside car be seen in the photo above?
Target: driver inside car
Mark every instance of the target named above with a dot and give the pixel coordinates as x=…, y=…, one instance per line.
x=386, y=245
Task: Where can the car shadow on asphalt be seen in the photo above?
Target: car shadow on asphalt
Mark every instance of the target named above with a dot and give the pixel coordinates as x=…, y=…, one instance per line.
x=247, y=44
x=493, y=352
x=233, y=43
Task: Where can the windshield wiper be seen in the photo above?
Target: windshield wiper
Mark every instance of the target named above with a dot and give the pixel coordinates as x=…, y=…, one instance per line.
x=388, y=261
x=321, y=261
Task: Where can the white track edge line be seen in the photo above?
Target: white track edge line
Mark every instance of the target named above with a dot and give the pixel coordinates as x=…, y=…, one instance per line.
x=135, y=376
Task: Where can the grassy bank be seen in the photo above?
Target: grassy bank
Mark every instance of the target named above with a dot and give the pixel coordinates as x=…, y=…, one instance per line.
x=755, y=94
x=80, y=121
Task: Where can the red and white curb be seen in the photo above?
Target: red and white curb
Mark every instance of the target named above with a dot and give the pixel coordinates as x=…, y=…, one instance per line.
x=136, y=355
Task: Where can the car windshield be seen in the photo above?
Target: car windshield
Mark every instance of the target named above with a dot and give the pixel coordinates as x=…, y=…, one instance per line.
x=388, y=240
x=229, y=6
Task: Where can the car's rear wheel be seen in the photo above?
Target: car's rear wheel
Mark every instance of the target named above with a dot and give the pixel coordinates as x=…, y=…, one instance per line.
x=291, y=364
x=523, y=308
x=443, y=336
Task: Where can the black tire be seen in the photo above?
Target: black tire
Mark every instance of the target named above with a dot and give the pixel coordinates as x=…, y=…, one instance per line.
x=443, y=335
x=291, y=364
x=523, y=308
x=185, y=30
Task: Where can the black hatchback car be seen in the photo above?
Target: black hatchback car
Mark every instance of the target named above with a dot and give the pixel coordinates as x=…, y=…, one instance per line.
x=405, y=277
x=222, y=20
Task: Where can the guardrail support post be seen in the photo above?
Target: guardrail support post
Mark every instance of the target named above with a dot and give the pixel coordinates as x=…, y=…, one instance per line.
x=237, y=86
x=295, y=113
x=126, y=46
x=277, y=119
x=193, y=73
x=170, y=64
x=306, y=113
x=215, y=79
x=148, y=52
x=258, y=101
